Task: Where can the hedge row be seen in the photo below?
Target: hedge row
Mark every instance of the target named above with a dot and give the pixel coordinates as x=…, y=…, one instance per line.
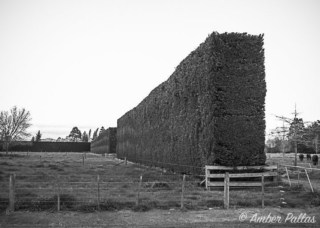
x=106, y=142
x=46, y=146
x=210, y=110
x=301, y=148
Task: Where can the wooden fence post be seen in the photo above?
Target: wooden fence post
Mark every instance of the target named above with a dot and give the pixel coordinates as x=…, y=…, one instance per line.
x=98, y=180
x=309, y=180
x=262, y=189
x=278, y=178
x=226, y=190
x=40, y=158
x=12, y=184
x=298, y=177
x=288, y=176
x=182, y=190
x=125, y=159
x=138, y=194
x=58, y=193
x=206, y=176
x=82, y=160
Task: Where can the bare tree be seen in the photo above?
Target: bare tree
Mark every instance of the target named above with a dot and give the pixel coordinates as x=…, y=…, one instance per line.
x=281, y=133
x=14, y=125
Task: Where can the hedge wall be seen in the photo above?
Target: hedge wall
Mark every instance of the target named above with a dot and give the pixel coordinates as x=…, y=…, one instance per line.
x=210, y=110
x=106, y=142
x=47, y=146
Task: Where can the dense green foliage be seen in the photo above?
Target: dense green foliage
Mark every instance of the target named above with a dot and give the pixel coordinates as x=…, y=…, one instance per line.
x=106, y=142
x=210, y=110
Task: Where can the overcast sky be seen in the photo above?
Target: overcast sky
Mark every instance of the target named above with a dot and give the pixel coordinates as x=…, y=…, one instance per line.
x=86, y=63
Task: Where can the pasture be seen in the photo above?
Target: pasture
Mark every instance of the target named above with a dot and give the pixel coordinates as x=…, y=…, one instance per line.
x=108, y=184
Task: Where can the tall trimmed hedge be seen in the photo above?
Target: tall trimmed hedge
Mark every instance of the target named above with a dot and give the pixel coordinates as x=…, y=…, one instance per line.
x=106, y=142
x=46, y=146
x=210, y=110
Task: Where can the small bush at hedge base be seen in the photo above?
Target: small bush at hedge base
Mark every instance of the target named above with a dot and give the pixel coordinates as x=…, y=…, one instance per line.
x=315, y=159
x=301, y=156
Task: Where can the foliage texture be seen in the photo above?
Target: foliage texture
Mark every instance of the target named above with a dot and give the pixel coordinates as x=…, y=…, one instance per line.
x=210, y=111
x=106, y=142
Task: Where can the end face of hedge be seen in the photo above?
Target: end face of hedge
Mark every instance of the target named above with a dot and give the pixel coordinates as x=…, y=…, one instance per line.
x=106, y=142
x=210, y=111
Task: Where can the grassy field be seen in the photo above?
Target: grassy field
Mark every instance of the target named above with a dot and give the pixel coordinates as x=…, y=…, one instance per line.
x=288, y=159
x=38, y=180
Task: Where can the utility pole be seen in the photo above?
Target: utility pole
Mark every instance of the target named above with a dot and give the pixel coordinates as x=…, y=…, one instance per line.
x=295, y=135
x=285, y=130
x=282, y=143
x=317, y=144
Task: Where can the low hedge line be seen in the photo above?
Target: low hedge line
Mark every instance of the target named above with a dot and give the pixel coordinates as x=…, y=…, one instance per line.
x=46, y=146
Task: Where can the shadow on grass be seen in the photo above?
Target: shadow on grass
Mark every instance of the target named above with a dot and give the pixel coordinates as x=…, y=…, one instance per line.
x=6, y=163
x=4, y=203
x=29, y=201
x=55, y=167
x=106, y=205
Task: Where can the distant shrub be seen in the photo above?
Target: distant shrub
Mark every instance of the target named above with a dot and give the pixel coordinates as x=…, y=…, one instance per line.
x=301, y=156
x=315, y=159
x=308, y=157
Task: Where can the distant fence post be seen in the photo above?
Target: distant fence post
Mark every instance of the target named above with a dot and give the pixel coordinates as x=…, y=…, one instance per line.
x=278, y=178
x=309, y=180
x=182, y=190
x=288, y=176
x=40, y=158
x=262, y=190
x=298, y=177
x=98, y=185
x=226, y=190
x=206, y=176
x=138, y=194
x=58, y=193
x=12, y=184
x=125, y=158
x=82, y=159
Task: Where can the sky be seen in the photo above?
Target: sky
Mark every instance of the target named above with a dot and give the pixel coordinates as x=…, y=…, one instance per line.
x=85, y=63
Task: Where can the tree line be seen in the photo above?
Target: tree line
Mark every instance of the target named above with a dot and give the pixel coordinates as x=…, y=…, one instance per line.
x=14, y=125
x=75, y=136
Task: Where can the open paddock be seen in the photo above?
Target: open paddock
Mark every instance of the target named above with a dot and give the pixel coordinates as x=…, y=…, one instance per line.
x=90, y=182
